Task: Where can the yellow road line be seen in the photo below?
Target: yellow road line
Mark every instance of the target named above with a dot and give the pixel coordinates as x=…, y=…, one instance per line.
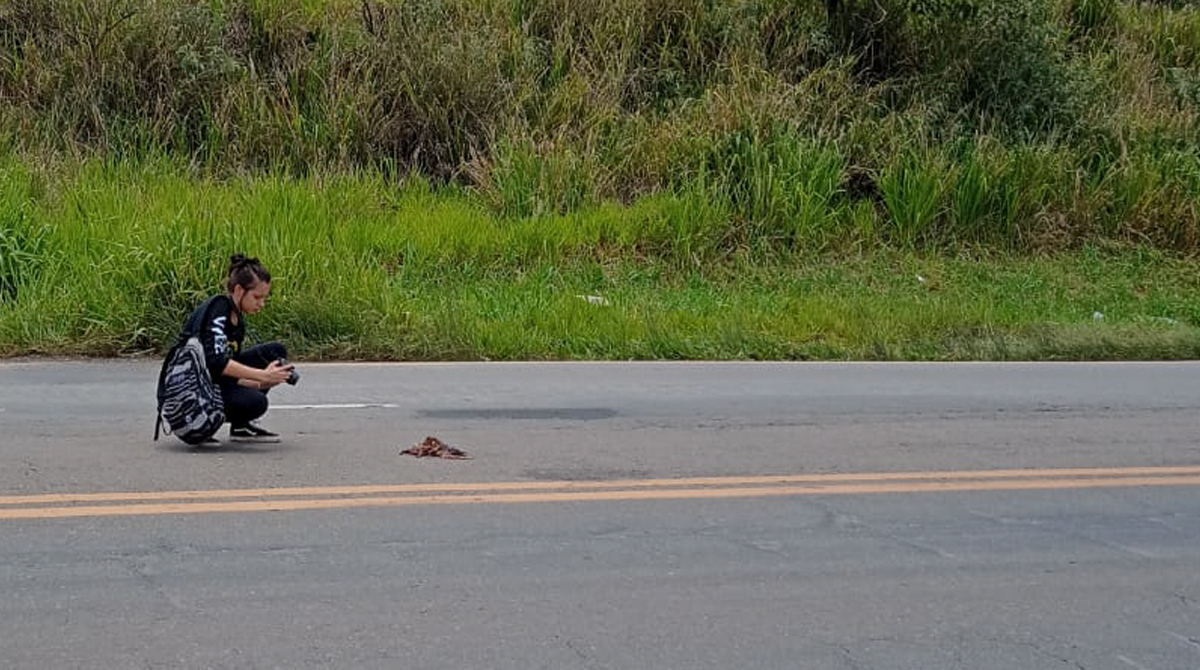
x=759, y=480
x=798, y=489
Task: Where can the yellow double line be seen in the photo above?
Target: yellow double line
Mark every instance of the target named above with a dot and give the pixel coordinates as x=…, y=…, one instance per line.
x=63, y=505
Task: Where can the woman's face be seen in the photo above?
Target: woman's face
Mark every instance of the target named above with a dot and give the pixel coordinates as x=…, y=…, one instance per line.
x=251, y=300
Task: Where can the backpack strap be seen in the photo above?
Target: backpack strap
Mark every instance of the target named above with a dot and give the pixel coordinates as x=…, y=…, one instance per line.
x=192, y=325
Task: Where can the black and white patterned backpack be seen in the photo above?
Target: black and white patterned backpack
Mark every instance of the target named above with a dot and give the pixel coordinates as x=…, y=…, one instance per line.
x=189, y=403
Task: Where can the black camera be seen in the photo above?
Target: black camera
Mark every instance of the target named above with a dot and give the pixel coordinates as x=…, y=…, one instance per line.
x=293, y=376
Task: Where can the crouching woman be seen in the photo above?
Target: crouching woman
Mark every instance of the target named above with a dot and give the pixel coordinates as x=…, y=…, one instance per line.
x=244, y=375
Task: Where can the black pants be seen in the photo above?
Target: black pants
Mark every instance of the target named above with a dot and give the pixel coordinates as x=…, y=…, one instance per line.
x=242, y=403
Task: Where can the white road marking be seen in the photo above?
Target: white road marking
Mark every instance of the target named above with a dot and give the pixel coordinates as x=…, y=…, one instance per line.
x=1135, y=664
x=1185, y=640
x=349, y=405
x=1124, y=547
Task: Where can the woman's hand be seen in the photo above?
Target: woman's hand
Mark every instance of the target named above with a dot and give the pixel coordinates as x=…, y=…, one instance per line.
x=274, y=375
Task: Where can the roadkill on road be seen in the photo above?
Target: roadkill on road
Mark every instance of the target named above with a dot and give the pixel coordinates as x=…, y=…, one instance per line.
x=433, y=447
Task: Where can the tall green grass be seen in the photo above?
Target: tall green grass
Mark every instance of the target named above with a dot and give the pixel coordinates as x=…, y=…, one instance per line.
x=112, y=257
x=799, y=123
x=443, y=178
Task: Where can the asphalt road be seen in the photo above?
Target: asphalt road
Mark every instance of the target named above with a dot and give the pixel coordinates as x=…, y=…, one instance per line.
x=642, y=515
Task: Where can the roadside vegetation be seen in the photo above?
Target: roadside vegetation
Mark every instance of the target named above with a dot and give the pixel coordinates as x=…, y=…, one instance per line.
x=436, y=179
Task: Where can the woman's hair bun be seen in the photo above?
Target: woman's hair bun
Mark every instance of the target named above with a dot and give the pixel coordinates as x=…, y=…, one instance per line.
x=245, y=272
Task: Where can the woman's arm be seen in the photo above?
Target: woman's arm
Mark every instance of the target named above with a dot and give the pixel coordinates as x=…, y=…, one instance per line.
x=243, y=372
x=274, y=374
x=214, y=336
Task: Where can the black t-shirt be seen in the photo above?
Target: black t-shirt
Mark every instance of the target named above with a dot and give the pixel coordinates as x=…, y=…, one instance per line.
x=221, y=337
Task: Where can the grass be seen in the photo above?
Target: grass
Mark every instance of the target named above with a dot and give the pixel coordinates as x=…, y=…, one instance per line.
x=108, y=259
x=771, y=109
x=755, y=178
x=870, y=309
